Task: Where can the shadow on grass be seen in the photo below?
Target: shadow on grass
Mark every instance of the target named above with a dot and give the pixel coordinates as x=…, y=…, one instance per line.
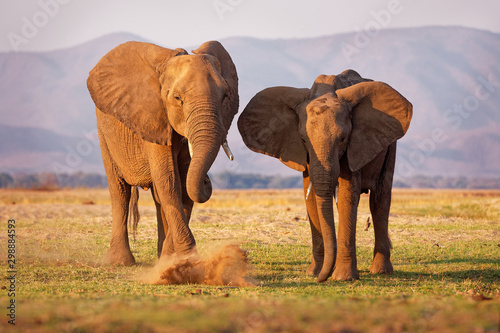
x=280, y=265
x=482, y=275
x=284, y=274
x=461, y=261
x=281, y=282
x=287, y=280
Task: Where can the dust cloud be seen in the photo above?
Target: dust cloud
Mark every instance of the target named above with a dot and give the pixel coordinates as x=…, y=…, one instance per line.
x=225, y=265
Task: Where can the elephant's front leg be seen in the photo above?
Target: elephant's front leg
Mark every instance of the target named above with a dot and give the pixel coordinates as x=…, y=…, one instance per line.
x=168, y=192
x=318, y=249
x=163, y=240
x=184, y=160
x=348, y=199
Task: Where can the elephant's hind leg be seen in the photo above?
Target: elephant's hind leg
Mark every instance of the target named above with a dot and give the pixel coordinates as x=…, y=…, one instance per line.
x=119, y=252
x=380, y=204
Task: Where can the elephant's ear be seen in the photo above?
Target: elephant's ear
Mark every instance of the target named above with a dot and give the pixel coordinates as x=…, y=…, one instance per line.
x=125, y=84
x=228, y=71
x=269, y=124
x=380, y=116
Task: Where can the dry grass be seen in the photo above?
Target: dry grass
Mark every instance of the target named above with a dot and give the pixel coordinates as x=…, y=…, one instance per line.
x=474, y=204
x=446, y=257
x=62, y=196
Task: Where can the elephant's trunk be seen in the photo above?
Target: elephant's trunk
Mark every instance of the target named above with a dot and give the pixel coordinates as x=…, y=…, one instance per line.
x=326, y=220
x=205, y=134
x=324, y=183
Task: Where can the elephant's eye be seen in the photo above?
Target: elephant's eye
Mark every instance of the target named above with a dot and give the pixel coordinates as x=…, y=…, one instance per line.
x=178, y=98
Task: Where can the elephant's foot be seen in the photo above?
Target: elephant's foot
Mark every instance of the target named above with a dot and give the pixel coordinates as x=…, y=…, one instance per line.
x=381, y=264
x=189, y=254
x=345, y=272
x=124, y=258
x=166, y=250
x=314, y=269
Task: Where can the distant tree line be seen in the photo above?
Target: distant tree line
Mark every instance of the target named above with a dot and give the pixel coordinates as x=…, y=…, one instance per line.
x=48, y=181
x=448, y=182
x=228, y=180
x=242, y=181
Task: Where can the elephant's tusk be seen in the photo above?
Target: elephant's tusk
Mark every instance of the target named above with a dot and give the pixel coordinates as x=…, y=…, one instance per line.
x=309, y=190
x=190, y=149
x=336, y=194
x=228, y=152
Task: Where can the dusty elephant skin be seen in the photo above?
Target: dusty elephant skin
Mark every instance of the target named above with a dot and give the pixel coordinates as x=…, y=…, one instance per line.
x=162, y=116
x=340, y=133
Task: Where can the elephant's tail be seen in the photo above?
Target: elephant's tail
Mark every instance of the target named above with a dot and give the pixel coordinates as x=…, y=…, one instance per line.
x=134, y=216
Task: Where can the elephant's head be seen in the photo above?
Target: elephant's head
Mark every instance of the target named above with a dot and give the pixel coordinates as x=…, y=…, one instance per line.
x=343, y=115
x=156, y=91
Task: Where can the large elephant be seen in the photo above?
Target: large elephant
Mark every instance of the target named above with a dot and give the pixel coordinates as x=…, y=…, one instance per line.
x=162, y=116
x=341, y=134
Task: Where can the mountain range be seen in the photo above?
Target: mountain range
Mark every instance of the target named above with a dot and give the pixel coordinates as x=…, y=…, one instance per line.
x=450, y=74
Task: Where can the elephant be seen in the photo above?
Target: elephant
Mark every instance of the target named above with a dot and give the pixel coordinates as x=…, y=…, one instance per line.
x=341, y=134
x=162, y=115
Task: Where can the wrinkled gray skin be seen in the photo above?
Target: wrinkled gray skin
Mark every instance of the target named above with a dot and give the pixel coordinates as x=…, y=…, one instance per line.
x=341, y=132
x=150, y=101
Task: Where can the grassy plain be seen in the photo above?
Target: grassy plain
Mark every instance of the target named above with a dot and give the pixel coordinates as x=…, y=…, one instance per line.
x=446, y=258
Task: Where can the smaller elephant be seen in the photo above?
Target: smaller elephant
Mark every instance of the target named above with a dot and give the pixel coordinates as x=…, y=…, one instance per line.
x=342, y=135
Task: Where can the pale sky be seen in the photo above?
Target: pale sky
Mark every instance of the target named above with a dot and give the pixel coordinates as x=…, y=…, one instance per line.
x=41, y=25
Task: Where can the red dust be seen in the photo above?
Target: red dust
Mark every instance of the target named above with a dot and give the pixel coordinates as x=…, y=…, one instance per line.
x=228, y=266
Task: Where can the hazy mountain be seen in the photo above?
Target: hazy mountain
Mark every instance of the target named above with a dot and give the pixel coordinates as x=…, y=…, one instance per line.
x=450, y=75
x=48, y=90
x=28, y=149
